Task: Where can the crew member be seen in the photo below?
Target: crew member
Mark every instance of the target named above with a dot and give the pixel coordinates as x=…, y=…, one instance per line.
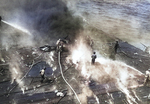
x=147, y=75
x=59, y=44
x=93, y=57
x=116, y=47
x=42, y=73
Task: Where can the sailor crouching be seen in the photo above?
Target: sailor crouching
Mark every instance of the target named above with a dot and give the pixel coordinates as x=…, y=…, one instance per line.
x=147, y=76
x=59, y=44
x=42, y=73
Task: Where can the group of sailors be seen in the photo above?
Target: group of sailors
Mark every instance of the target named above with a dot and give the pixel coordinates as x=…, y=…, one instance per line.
x=116, y=47
x=60, y=45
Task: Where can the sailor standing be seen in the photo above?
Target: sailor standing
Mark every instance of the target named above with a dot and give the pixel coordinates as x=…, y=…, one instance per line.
x=117, y=47
x=93, y=57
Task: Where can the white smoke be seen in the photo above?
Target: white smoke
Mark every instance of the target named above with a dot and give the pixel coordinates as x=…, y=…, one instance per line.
x=105, y=70
x=81, y=51
x=16, y=72
x=86, y=92
x=16, y=36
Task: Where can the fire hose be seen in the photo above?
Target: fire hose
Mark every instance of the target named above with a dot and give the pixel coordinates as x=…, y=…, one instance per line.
x=24, y=75
x=65, y=79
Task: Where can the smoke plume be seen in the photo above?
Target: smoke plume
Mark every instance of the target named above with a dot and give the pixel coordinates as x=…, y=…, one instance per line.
x=106, y=71
x=15, y=66
x=46, y=20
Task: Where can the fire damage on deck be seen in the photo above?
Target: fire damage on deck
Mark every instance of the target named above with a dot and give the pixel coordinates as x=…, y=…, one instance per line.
x=24, y=86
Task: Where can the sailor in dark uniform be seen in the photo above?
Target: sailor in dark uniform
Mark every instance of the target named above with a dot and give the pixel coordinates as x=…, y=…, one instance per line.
x=117, y=47
x=93, y=57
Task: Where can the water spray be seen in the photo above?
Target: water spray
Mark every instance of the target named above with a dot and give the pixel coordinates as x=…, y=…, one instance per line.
x=17, y=27
x=65, y=79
